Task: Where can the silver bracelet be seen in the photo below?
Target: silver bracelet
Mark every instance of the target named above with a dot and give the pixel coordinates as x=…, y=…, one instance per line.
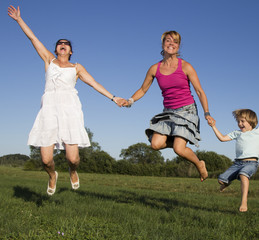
x=130, y=101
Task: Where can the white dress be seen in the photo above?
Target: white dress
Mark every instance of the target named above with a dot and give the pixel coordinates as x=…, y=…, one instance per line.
x=60, y=119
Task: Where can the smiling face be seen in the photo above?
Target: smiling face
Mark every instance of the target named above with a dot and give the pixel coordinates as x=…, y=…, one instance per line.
x=244, y=125
x=245, y=117
x=170, y=45
x=63, y=47
x=171, y=42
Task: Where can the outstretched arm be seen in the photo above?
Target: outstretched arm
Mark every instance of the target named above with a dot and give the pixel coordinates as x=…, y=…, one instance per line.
x=219, y=135
x=40, y=48
x=88, y=79
x=145, y=86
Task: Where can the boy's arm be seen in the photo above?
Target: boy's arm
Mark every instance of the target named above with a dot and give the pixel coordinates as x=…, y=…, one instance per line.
x=219, y=135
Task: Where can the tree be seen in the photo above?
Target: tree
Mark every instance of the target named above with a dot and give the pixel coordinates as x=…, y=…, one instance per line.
x=94, y=159
x=35, y=153
x=142, y=153
x=13, y=160
x=213, y=160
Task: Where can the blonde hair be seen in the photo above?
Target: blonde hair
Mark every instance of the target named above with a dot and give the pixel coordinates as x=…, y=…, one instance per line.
x=175, y=35
x=248, y=114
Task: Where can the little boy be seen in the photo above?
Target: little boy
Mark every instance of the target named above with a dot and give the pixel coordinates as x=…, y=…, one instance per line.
x=247, y=152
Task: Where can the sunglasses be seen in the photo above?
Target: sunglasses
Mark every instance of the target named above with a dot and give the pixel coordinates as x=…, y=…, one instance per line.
x=65, y=43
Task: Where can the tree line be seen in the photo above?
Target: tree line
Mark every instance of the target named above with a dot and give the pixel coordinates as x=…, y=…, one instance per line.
x=138, y=159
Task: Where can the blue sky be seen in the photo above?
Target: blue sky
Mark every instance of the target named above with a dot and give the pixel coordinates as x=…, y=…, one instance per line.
x=117, y=41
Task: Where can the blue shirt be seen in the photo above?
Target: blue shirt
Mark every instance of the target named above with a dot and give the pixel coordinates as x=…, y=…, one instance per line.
x=247, y=143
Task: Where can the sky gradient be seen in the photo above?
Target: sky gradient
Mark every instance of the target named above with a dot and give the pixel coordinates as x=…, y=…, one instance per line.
x=117, y=41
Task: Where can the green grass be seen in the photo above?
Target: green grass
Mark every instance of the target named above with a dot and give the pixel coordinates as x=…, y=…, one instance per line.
x=123, y=207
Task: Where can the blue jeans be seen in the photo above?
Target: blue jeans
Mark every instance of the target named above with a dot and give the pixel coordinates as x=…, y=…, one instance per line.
x=240, y=167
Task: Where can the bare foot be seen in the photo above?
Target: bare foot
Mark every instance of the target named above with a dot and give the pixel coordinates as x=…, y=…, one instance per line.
x=203, y=171
x=243, y=208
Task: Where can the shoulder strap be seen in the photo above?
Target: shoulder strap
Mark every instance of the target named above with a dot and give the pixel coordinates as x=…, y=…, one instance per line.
x=180, y=63
x=158, y=67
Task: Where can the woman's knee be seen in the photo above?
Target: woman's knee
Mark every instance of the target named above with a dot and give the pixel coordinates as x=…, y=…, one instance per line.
x=72, y=154
x=156, y=145
x=158, y=141
x=74, y=160
x=48, y=162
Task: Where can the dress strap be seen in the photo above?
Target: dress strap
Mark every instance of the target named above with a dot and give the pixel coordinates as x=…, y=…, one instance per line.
x=52, y=59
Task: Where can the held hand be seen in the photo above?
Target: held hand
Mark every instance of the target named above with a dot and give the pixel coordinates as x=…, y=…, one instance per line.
x=119, y=101
x=126, y=104
x=13, y=13
x=211, y=121
x=129, y=103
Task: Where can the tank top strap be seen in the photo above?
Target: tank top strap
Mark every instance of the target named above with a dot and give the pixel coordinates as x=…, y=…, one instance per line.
x=158, y=68
x=179, y=63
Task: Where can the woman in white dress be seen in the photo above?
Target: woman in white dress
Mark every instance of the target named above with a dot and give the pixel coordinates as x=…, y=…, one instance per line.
x=59, y=123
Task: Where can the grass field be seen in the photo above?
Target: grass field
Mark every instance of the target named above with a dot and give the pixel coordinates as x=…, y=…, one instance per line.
x=124, y=208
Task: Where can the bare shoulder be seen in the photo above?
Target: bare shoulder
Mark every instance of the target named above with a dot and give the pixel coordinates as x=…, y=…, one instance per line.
x=186, y=64
x=79, y=67
x=152, y=70
x=187, y=67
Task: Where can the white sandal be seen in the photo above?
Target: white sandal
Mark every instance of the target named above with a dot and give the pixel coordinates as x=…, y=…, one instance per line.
x=51, y=191
x=76, y=184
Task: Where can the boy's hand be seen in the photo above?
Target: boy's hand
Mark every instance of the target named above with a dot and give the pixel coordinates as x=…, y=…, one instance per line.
x=211, y=121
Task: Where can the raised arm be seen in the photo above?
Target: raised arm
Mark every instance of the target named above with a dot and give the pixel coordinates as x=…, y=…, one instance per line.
x=145, y=85
x=88, y=79
x=193, y=77
x=40, y=48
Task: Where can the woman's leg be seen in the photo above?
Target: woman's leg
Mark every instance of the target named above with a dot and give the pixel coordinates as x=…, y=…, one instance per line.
x=244, y=192
x=180, y=149
x=72, y=155
x=158, y=141
x=48, y=164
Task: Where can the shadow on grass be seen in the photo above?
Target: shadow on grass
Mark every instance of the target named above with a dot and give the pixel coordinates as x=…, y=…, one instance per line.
x=150, y=201
x=30, y=196
x=63, y=190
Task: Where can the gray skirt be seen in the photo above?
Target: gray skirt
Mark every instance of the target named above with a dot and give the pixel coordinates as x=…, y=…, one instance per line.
x=181, y=122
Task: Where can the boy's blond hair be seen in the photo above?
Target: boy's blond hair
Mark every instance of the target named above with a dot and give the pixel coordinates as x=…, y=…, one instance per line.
x=248, y=114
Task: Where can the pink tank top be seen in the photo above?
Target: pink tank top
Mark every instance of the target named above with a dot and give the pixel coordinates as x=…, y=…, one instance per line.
x=175, y=87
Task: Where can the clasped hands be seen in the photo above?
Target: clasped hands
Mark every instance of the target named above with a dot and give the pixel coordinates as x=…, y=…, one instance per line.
x=211, y=121
x=121, y=102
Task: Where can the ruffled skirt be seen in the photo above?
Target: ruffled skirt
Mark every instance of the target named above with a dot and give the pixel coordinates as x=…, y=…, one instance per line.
x=182, y=122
